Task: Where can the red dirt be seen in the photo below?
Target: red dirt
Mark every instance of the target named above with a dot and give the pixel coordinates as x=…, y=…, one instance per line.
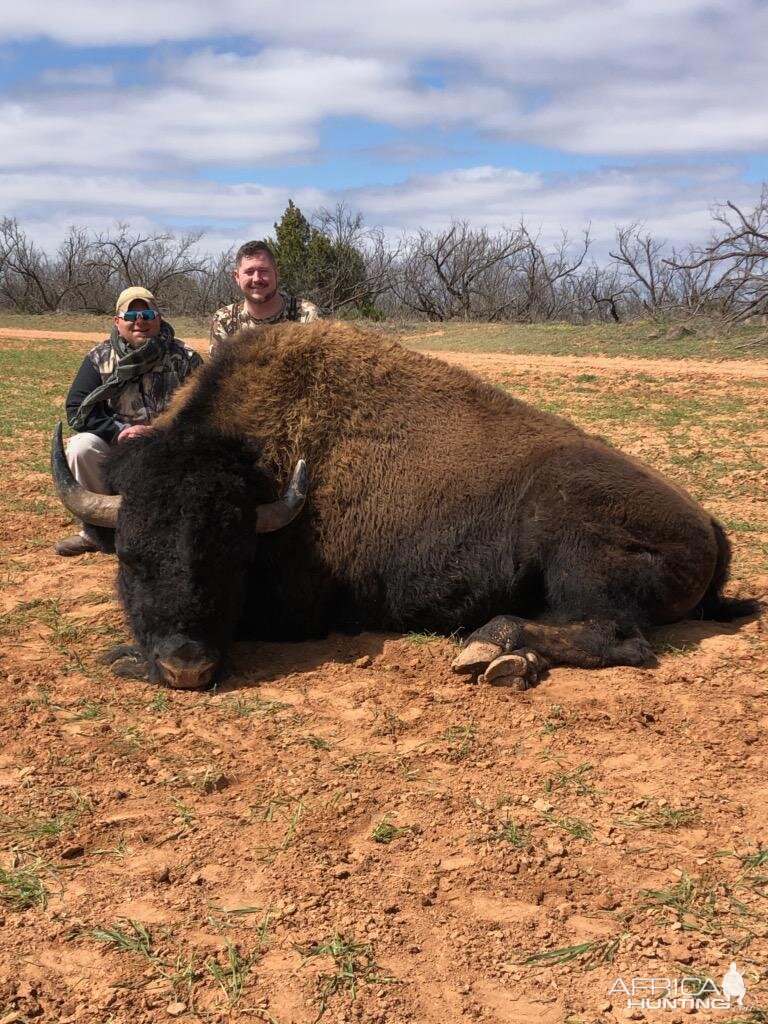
x=198, y=817
x=493, y=364
x=16, y=332
x=496, y=363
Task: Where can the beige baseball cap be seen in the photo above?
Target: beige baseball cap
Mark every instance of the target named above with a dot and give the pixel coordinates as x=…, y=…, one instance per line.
x=129, y=295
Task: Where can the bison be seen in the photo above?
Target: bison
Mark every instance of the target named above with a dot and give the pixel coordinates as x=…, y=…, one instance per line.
x=435, y=502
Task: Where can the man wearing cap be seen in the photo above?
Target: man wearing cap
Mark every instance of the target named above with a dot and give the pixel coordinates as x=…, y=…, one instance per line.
x=257, y=277
x=122, y=385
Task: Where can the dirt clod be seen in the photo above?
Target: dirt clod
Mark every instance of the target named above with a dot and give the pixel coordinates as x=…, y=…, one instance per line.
x=72, y=852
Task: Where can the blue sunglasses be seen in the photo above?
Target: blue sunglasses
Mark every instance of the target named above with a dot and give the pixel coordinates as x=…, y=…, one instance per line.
x=135, y=314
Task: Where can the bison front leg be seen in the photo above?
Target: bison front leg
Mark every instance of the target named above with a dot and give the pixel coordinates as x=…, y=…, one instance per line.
x=509, y=648
x=126, y=661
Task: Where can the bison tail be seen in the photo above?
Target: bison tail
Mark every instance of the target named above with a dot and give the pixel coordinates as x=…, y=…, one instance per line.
x=714, y=605
x=726, y=609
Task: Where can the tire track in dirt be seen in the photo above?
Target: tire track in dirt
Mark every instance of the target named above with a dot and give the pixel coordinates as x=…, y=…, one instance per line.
x=501, y=362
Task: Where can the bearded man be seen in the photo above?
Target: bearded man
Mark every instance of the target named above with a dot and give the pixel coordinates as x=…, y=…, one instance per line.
x=257, y=276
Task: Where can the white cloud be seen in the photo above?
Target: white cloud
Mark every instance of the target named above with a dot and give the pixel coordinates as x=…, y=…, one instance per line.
x=86, y=76
x=93, y=23
x=446, y=28
x=128, y=195
x=627, y=77
x=667, y=80
x=673, y=202
x=222, y=109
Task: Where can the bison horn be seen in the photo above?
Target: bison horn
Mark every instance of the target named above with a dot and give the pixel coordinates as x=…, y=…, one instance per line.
x=277, y=514
x=96, y=509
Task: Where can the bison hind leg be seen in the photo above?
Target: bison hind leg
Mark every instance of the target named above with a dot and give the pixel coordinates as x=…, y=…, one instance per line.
x=632, y=650
x=595, y=643
x=518, y=670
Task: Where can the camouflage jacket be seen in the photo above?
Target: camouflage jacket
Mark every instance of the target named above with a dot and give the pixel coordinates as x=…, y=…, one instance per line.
x=230, y=319
x=142, y=400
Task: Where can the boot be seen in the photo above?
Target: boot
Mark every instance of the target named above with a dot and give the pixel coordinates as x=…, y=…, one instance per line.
x=75, y=545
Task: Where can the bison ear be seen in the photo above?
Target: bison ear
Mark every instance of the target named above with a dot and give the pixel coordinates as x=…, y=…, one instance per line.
x=277, y=514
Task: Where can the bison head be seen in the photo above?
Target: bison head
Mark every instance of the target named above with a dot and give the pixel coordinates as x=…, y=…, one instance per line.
x=188, y=510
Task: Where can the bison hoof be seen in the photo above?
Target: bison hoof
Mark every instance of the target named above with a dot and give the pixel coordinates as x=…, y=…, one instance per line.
x=475, y=657
x=121, y=651
x=516, y=671
x=131, y=668
x=127, y=661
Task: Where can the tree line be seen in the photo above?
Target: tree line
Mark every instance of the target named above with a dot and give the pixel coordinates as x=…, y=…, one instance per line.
x=458, y=273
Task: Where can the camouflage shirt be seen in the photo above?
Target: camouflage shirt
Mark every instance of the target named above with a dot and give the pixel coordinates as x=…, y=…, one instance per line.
x=140, y=401
x=230, y=319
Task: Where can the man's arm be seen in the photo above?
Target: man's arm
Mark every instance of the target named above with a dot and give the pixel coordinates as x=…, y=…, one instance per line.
x=193, y=361
x=189, y=361
x=219, y=333
x=100, y=420
x=134, y=431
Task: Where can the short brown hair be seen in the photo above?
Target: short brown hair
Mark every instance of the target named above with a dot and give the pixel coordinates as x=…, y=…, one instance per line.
x=253, y=249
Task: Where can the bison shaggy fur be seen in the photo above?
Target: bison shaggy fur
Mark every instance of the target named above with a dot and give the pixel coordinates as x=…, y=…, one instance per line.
x=436, y=502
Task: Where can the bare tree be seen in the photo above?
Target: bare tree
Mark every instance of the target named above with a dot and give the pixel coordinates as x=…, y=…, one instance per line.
x=381, y=265
x=152, y=260
x=459, y=272
x=454, y=274
x=351, y=264
x=598, y=293
x=734, y=265
x=32, y=282
x=650, y=280
x=207, y=289
x=545, y=280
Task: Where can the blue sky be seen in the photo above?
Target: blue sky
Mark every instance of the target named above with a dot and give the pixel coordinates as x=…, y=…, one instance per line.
x=185, y=114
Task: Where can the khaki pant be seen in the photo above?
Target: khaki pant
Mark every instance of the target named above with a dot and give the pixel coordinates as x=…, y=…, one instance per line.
x=85, y=455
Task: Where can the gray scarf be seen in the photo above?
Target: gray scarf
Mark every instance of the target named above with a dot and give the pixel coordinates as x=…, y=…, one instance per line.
x=131, y=364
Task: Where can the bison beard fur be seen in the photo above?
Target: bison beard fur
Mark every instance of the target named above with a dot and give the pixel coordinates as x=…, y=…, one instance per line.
x=436, y=502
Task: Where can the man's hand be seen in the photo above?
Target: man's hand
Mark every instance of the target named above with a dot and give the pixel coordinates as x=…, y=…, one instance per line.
x=134, y=431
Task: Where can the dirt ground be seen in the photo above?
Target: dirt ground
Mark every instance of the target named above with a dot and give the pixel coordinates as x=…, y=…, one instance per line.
x=346, y=830
x=494, y=363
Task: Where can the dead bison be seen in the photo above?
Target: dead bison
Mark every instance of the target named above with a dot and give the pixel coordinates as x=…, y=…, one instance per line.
x=435, y=502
